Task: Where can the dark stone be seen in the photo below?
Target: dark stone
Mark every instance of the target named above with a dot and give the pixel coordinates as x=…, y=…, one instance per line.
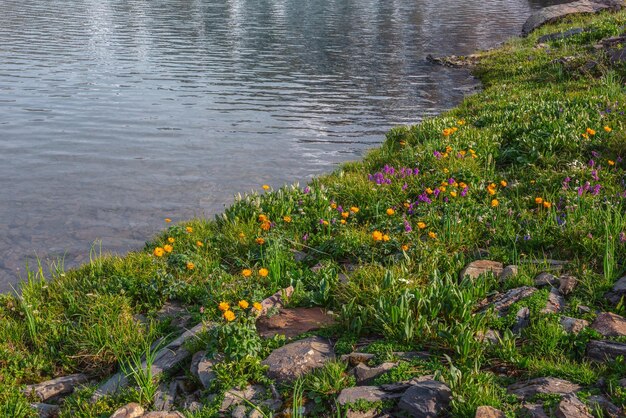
x=522, y=320
x=601, y=402
x=618, y=291
x=548, y=385
x=292, y=322
x=425, y=399
x=365, y=374
x=502, y=301
x=571, y=407
x=605, y=350
x=610, y=325
x=533, y=410
x=291, y=361
x=560, y=35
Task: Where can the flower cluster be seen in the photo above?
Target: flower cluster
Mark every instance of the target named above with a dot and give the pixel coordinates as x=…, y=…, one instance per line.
x=390, y=173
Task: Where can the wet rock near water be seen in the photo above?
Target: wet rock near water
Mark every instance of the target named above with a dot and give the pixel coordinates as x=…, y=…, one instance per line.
x=545, y=385
x=455, y=61
x=295, y=359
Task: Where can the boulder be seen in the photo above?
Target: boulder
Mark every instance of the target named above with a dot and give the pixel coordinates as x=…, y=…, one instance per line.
x=555, y=302
x=488, y=412
x=480, y=267
x=132, y=410
x=291, y=361
x=365, y=393
x=610, y=325
x=554, y=13
x=605, y=350
x=549, y=385
x=425, y=399
x=293, y=322
x=502, y=301
x=56, y=387
x=365, y=374
x=45, y=410
x=571, y=407
x=545, y=279
x=534, y=410
x=573, y=325
x=508, y=272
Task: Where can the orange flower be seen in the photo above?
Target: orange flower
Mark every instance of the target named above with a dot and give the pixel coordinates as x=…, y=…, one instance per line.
x=257, y=306
x=390, y=212
x=345, y=215
x=460, y=122
x=265, y=187
x=168, y=248
x=333, y=205
x=405, y=247
x=199, y=244
x=432, y=235
x=266, y=225
x=262, y=218
x=429, y=190
x=547, y=205
x=462, y=185
x=343, y=222
x=263, y=272
x=190, y=265
x=421, y=225
x=229, y=316
x=385, y=237
x=242, y=235
x=243, y=304
x=170, y=240
x=494, y=203
x=189, y=229
x=287, y=218
x=611, y=162
x=447, y=132
x=585, y=136
x=607, y=129
x=260, y=241
x=354, y=209
x=538, y=200
x=223, y=306
x=246, y=272
x=158, y=252
x=377, y=236
x=453, y=194
x=503, y=183
x=591, y=132
x=167, y=220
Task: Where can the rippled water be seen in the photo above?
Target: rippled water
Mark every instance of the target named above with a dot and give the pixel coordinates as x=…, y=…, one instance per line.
x=116, y=114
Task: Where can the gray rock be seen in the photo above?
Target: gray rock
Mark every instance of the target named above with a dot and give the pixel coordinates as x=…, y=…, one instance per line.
x=165, y=396
x=45, y=410
x=545, y=279
x=622, y=382
x=583, y=309
x=372, y=413
x=293, y=360
x=488, y=412
x=560, y=35
x=522, y=320
x=479, y=267
x=298, y=256
x=490, y=336
x=555, y=302
x=548, y=385
x=573, y=325
x=202, y=368
x=618, y=291
x=502, y=301
x=56, y=387
x=239, y=412
x=600, y=402
x=610, y=325
x=132, y=410
x=365, y=393
x=567, y=284
x=553, y=13
x=534, y=410
x=277, y=300
x=571, y=407
x=508, y=272
x=605, y=350
x=235, y=397
x=163, y=414
x=425, y=399
x=356, y=358
x=365, y=374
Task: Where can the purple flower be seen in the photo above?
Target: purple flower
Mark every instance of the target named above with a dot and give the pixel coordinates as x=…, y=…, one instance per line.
x=595, y=154
x=437, y=154
x=451, y=180
x=464, y=192
x=307, y=190
x=405, y=186
x=594, y=175
x=305, y=237
x=527, y=237
x=436, y=192
x=591, y=163
x=596, y=189
x=407, y=226
x=622, y=237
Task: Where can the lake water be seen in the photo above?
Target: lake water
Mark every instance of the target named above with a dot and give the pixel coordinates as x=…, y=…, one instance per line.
x=117, y=114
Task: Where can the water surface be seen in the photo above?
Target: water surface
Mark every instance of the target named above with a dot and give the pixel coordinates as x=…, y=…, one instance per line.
x=115, y=114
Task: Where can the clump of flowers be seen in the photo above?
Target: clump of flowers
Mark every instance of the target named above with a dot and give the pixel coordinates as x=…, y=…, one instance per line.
x=390, y=173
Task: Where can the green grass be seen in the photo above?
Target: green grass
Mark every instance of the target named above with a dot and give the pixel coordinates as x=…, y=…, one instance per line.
x=483, y=167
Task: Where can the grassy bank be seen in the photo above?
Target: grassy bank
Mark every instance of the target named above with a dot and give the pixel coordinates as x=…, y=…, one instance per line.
x=529, y=169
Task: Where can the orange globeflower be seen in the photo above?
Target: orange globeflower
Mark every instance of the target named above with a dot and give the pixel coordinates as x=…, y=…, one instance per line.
x=168, y=220
x=429, y=190
x=199, y=244
x=390, y=212
x=260, y=241
x=611, y=162
x=265, y=187
x=503, y=183
x=229, y=316
x=168, y=248
x=494, y=203
x=158, y=252
x=257, y=306
x=171, y=240
x=243, y=304
x=591, y=132
x=385, y=237
x=354, y=209
x=266, y=226
x=263, y=272
x=547, y=205
x=287, y=218
x=343, y=222
x=453, y=194
x=405, y=247
x=189, y=229
x=433, y=235
x=333, y=205
x=223, y=306
x=262, y=218
x=246, y=272
x=421, y=225
x=190, y=265
x=345, y=215
x=607, y=129
x=538, y=200
x=377, y=236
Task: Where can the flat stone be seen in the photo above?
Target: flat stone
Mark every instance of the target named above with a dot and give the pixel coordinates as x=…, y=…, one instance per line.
x=571, y=407
x=365, y=374
x=163, y=414
x=365, y=393
x=601, y=402
x=479, y=267
x=277, y=300
x=372, y=413
x=618, y=291
x=508, y=272
x=165, y=396
x=605, y=350
x=235, y=397
x=202, y=368
x=239, y=412
x=502, y=301
x=610, y=325
x=545, y=279
x=555, y=302
x=560, y=35
x=293, y=322
x=45, y=410
x=533, y=410
x=132, y=410
x=291, y=361
x=425, y=399
x=567, y=284
x=56, y=387
x=354, y=359
x=488, y=412
x=554, y=13
x=175, y=312
x=573, y=325
x=548, y=385
x=522, y=320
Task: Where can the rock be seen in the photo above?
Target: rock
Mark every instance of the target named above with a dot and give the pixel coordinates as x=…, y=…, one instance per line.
x=532, y=387
x=622, y=382
x=610, y=325
x=522, y=320
x=163, y=414
x=176, y=313
x=480, y=267
x=545, y=279
x=132, y=410
x=555, y=302
x=490, y=336
x=276, y=301
x=567, y=284
x=600, y=402
x=573, y=325
x=293, y=322
x=235, y=397
x=455, y=61
x=560, y=35
x=46, y=410
x=553, y=13
x=372, y=413
x=192, y=403
x=571, y=407
x=489, y=412
x=239, y=412
x=354, y=359
x=583, y=309
x=605, y=350
x=365, y=393
x=502, y=301
x=56, y=387
x=618, y=291
x=617, y=56
x=425, y=399
x=202, y=368
x=293, y=360
x=508, y=272
x=298, y=256
x=365, y=374
x=165, y=396
x=534, y=411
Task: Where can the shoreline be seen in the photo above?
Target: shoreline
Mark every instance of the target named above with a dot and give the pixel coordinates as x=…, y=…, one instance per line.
x=467, y=239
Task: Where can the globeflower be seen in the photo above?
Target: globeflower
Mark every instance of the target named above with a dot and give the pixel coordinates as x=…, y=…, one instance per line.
x=385, y=238
x=257, y=306
x=189, y=229
x=223, y=306
x=503, y=183
x=266, y=225
x=246, y=272
x=265, y=187
x=199, y=244
x=495, y=203
x=607, y=129
x=405, y=247
x=345, y=215
x=229, y=316
x=390, y=212
x=591, y=132
x=354, y=209
x=432, y=235
x=611, y=162
x=158, y=252
x=377, y=236
x=168, y=248
x=190, y=265
x=263, y=218
x=171, y=240
x=167, y=220
x=421, y=225
x=538, y=200
x=243, y=304
x=260, y=241
x=263, y=272
x=287, y=218
x=547, y=204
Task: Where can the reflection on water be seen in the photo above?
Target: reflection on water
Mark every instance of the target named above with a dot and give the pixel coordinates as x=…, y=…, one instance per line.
x=117, y=113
